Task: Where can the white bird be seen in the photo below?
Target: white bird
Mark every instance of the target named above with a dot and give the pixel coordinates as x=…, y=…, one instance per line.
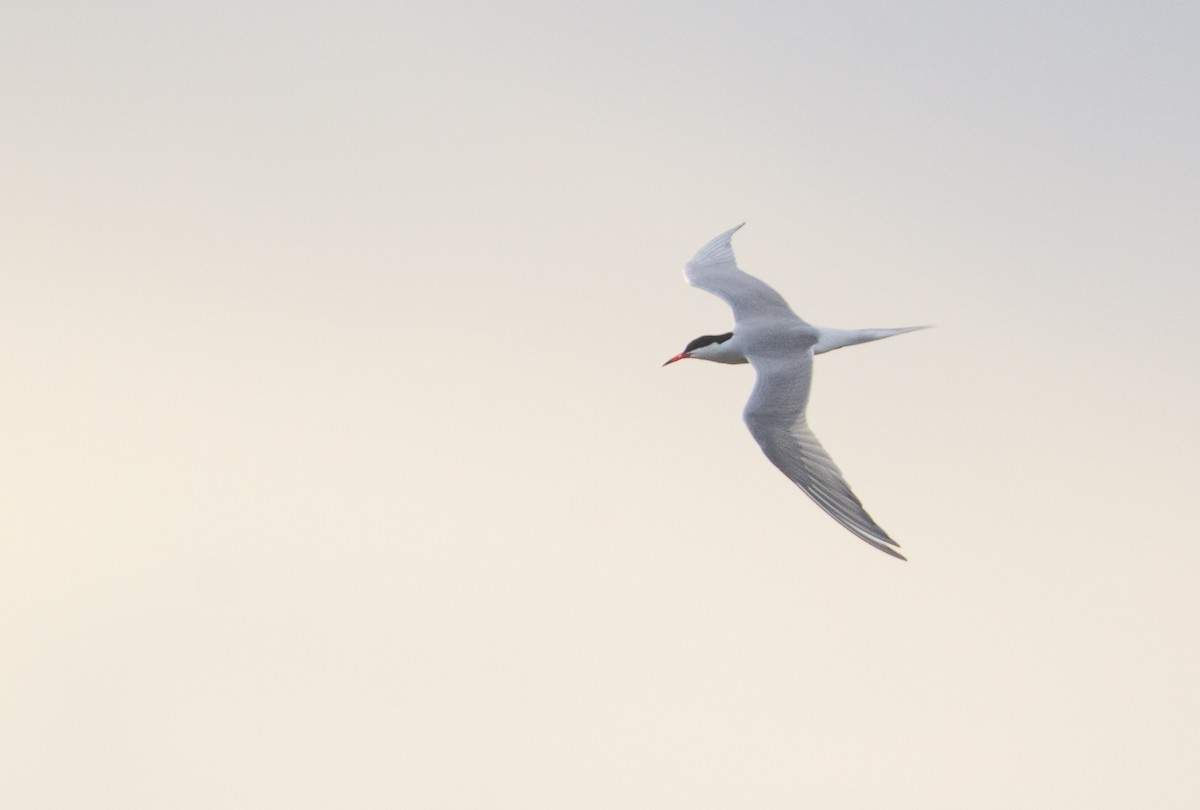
x=780, y=346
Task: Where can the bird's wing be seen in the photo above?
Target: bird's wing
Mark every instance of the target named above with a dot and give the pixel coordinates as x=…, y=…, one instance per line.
x=714, y=269
x=775, y=416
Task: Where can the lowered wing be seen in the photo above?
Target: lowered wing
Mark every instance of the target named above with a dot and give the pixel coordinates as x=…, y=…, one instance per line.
x=775, y=416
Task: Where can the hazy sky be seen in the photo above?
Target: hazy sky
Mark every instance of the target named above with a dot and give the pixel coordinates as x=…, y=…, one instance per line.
x=340, y=469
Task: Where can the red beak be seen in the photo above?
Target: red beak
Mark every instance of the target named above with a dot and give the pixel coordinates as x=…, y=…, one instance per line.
x=680, y=356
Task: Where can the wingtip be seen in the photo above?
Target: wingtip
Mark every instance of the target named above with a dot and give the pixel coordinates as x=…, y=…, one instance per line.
x=885, y=544
x=725, y=236
x=717, y=249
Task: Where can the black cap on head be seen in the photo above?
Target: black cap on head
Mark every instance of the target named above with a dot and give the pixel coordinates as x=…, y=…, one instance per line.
x=705, y=340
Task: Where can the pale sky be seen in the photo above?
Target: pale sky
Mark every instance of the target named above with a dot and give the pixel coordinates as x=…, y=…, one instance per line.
x=340, y=469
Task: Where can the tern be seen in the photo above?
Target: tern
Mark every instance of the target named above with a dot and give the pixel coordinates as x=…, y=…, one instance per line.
x=780, y=346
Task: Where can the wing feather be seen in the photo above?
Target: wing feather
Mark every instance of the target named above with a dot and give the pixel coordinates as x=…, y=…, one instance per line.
x=715, y=270
x=775, y=416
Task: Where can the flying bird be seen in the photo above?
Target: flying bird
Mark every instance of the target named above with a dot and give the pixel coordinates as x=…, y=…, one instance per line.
x=769, y=336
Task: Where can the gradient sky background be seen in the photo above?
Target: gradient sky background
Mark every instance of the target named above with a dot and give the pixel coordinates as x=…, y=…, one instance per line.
x=340, y=469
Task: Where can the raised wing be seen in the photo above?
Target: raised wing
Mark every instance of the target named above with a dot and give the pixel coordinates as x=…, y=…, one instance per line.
x=713, y=269
x=775, y=416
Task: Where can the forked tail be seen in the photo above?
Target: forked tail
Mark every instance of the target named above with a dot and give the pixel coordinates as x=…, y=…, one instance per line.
x=830, y=339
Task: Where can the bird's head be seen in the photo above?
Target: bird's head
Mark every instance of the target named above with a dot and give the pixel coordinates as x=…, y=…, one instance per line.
x=711, y=347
